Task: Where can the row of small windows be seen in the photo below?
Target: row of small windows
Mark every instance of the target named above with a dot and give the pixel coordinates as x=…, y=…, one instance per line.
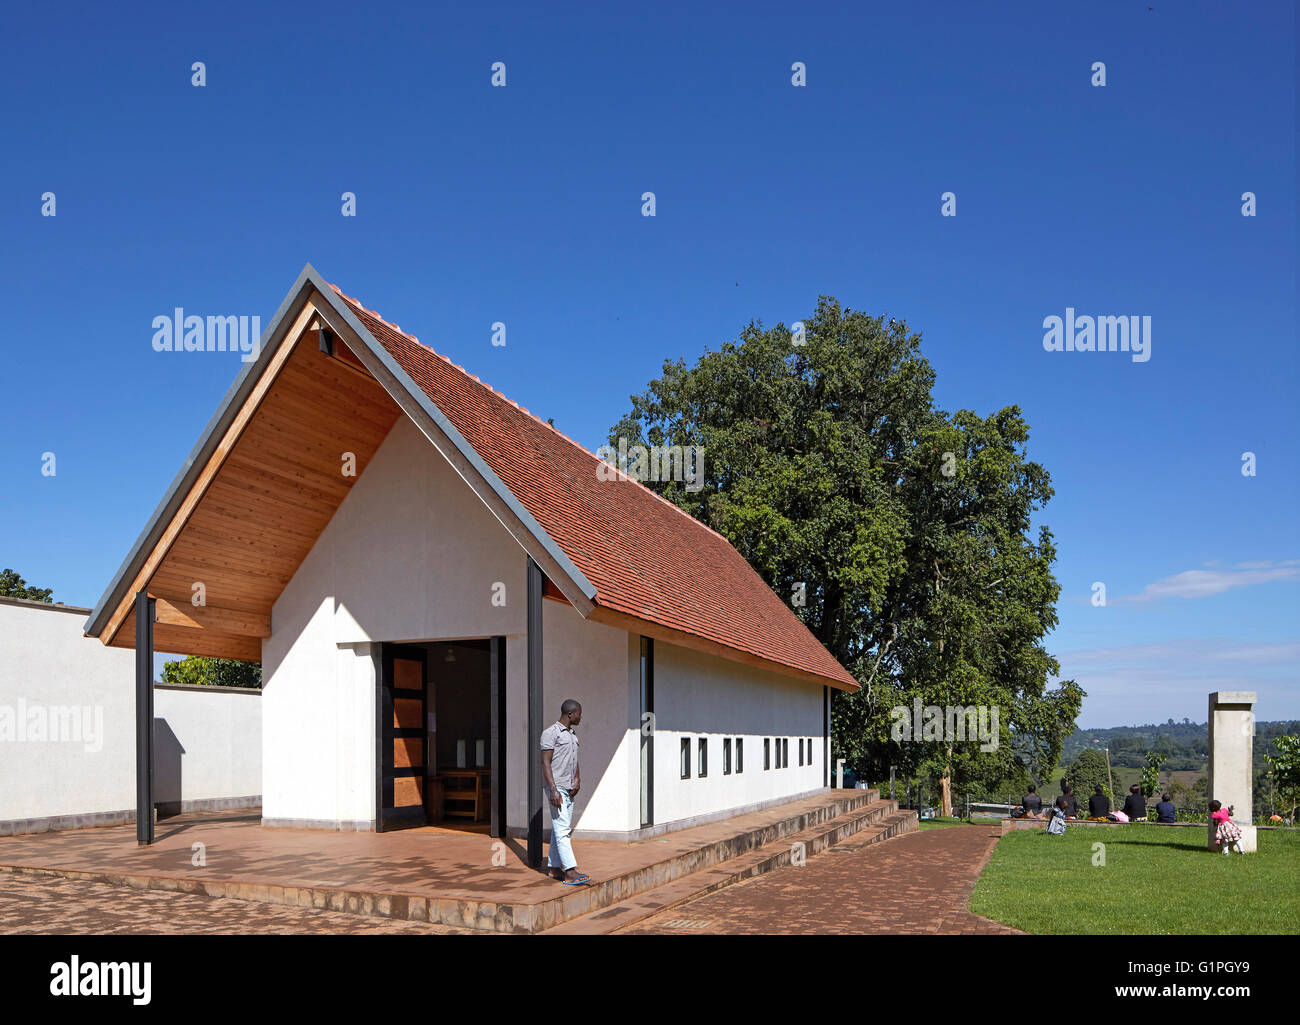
x=781, y=745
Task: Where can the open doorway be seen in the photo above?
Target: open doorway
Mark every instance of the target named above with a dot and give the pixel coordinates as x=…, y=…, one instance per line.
x=441, y=733
x=458, y=697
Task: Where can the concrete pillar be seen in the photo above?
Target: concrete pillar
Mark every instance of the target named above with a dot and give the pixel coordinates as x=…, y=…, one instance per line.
x=1232, y=742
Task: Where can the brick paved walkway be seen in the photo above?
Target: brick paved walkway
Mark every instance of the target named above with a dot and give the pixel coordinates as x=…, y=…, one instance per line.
x=54, y=906
x=428, y=861
x=429, y=874
x=916, y=883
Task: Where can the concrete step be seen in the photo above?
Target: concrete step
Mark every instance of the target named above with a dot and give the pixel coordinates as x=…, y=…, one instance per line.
x=841, y=805
x=868, y=823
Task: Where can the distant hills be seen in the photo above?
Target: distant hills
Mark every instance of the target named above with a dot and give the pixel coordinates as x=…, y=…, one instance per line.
x=1186, y=743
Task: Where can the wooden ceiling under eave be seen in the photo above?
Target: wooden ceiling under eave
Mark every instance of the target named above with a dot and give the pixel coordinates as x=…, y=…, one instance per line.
x=260, y=504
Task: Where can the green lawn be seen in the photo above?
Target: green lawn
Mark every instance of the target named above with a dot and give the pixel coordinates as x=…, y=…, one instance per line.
x=1155, y=881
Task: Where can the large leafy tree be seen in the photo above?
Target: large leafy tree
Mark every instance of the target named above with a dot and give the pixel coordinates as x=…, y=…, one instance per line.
x=976, y=595
x=14, y=586
x=1284, y=767
x=1088, y=772
x=197, y=670
x=828, y=466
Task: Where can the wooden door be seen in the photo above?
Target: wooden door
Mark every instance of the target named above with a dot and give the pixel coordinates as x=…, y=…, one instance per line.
x=401, y=737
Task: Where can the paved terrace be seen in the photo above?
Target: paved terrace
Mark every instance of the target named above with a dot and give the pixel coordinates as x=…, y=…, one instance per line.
x=430, y=874
x=919, y=882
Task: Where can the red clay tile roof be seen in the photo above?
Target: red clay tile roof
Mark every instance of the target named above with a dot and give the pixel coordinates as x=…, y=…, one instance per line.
x=645, y=556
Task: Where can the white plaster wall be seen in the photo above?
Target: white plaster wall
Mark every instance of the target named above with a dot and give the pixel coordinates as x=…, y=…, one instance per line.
x=47, y=664
x=699, y=695
x=318, y=740
x=219, y=736
x=411, y=554
x=588, y=662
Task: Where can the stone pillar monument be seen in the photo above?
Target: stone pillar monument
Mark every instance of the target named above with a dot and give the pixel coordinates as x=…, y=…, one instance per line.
x=1232, y=742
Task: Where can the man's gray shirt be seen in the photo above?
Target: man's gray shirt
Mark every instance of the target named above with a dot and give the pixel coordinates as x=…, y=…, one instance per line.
x=563, y=741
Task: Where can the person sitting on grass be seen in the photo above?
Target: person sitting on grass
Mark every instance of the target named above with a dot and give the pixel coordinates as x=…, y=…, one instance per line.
x=1135, y=805
x=1228, y=833
x=1098, y=804
x=1056, y=824
x=1032, y=803
x=1165, y=811
x=1071, y=802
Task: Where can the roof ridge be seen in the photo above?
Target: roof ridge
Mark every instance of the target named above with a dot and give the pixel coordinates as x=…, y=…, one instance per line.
x=625, y=478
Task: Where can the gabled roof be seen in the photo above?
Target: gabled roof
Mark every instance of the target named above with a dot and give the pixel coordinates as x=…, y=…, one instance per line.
x=645, y=556
x=620, y=552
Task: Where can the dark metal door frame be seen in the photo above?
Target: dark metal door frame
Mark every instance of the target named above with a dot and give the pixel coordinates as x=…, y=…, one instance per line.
x=386, y=816
x=497, y=650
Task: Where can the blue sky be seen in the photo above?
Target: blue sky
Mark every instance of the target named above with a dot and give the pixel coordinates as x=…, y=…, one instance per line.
x=523, y=205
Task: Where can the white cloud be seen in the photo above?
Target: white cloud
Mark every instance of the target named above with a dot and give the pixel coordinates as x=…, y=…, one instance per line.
x=1193, y=651
x=1201, y=583
x=1279, y=653
x=1138, y=683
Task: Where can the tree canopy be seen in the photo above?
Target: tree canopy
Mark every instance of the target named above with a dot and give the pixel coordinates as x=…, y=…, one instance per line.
x=14, y=586
x=827, y=465
x=1088, y=772
x=1284, y=770
x=196, y=670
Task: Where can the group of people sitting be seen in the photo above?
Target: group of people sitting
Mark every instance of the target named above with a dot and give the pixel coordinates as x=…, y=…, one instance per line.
x=1227, y=833
x=1067, y=807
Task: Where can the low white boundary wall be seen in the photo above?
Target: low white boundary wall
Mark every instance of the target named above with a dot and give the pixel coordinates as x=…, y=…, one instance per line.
x=67, y=730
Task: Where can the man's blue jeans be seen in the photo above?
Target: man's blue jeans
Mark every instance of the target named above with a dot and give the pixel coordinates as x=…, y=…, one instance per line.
x=561, y=853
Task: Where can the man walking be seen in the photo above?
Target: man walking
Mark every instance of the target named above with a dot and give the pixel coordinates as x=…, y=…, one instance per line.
x=560, y=769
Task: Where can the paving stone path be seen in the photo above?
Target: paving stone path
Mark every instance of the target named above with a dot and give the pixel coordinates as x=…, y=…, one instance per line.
x=916, y=883
x=51, y=905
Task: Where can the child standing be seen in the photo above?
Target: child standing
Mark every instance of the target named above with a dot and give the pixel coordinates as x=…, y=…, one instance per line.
x=1227, y=833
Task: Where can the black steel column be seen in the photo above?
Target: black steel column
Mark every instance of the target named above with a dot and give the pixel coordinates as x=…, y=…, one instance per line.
x=497, y=647
x=535, y=714
x=144, y=613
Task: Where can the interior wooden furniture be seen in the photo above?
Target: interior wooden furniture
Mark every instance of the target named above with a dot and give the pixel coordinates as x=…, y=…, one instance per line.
x=433, y=799
x=465, y=793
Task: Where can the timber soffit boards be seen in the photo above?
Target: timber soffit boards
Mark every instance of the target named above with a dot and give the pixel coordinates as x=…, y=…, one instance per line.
x=258, y=504
x=199, y=456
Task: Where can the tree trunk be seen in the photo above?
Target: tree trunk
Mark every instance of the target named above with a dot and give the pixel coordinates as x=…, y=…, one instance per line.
x=945, y=788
